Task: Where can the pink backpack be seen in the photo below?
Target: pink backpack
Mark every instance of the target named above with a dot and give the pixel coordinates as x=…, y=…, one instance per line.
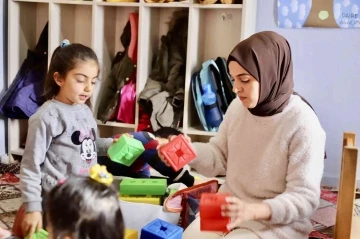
x=126, y=111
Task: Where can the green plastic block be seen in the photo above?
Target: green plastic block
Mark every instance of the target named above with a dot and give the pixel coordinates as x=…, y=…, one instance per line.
x=42, y=234
x=172, y=191
x=143, y=186
x=126, y=150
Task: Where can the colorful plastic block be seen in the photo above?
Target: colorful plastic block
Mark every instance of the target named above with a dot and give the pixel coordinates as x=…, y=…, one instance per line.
x=42, y=234
x=172, y=191
x=159, y=229
x=210, y=212
x=178, y=152
x=143, y=187
x=131, y=234
x=126, y=150
x=147, y=200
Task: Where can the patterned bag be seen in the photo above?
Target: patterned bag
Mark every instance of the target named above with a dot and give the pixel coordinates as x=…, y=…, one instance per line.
x=186, y=201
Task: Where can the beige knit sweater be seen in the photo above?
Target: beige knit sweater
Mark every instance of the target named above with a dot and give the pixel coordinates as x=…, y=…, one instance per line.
x=277, y=160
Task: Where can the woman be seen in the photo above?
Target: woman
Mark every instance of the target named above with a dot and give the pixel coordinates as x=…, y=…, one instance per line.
x=270, y=145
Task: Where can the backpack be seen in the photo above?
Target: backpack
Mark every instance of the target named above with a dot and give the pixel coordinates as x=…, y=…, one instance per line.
x=187, y=200
x=126, y=110
x=211, y=88
x=25, y=94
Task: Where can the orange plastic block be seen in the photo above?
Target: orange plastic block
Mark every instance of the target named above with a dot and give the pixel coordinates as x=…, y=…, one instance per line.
x=210, y=212
x=178, y=152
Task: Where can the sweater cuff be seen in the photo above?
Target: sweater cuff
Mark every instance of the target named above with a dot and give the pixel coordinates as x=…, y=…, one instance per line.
x=277, y=210
x=33, y=207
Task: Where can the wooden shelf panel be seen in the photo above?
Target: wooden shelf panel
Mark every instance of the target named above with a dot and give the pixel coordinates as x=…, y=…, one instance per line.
x=119, y=4
x=73, y=2
x=116, y=124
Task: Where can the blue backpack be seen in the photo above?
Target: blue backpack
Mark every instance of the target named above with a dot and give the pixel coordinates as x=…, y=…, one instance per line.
x=25, y=94
x=211, y=88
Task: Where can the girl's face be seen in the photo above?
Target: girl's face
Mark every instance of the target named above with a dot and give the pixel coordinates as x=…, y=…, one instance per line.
x=246, y=87
x=78, y=84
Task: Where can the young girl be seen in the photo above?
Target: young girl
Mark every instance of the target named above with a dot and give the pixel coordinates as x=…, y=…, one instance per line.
x=270, y=145
x=61, y=139
x=82, y=207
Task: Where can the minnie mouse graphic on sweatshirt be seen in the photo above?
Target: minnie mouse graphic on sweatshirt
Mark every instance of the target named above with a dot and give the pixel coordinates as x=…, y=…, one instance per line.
x=61, y=142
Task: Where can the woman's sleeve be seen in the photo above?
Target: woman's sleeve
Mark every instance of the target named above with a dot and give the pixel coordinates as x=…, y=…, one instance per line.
x=212, y=156
x=304, y=173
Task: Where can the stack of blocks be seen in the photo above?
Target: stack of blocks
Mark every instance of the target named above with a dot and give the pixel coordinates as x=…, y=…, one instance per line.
x=178, y=152
x=159, y=229
x=126, y=150
x=143, y=190
x=210, y=212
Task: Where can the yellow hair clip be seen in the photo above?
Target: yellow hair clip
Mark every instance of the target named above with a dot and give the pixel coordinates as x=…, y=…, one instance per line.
x=101, y=175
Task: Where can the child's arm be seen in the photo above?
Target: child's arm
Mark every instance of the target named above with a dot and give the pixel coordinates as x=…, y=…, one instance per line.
x=37, y=143
x=102, y=145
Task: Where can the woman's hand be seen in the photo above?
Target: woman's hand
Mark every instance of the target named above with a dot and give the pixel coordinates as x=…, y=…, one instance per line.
x=31, y=223
x=163, y=142
x=240, y=211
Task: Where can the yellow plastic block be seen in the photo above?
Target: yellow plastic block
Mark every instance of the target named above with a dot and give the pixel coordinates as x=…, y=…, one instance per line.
x=131, y=234
x=148, y=200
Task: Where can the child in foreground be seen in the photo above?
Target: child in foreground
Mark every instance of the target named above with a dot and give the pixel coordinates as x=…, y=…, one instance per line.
x=85, y=207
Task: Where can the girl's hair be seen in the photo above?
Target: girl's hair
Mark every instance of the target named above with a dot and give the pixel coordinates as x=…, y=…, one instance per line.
x=84, y=208
x=64, y=59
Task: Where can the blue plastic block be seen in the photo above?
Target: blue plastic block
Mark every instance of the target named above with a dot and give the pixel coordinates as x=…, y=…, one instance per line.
x=159, y=229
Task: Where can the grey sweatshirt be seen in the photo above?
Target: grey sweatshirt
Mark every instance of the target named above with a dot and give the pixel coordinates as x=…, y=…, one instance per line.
x=61, y=141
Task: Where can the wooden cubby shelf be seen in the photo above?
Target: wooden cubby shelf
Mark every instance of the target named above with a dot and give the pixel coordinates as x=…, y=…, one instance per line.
x=213, y=30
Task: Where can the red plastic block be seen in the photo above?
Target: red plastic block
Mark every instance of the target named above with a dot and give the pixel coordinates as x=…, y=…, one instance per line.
x=178, y=152
x=210, y=212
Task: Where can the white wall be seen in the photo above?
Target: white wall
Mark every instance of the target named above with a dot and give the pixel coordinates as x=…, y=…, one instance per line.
x=326, y=73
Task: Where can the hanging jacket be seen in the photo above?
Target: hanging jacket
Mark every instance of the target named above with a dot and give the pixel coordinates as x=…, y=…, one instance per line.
x=25, y=94
x=165, y=85
x=123, y=69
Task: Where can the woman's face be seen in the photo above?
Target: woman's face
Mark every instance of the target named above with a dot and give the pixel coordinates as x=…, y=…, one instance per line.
x=246, y=87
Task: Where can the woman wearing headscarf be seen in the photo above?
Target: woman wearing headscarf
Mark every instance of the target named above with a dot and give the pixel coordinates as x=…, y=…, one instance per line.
x=270, y=145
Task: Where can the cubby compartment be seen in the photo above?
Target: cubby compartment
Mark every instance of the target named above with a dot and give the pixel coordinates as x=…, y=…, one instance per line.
x=107, y=131
x=109, y=27
x=155, y=26
x=71, y=21
x=215, y=32
x=26, y=23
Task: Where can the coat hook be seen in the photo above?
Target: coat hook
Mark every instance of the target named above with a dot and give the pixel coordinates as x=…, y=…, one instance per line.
x=223, y=16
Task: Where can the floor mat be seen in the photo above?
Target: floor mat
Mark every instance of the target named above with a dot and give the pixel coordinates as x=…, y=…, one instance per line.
x=10, y=201
x=323, y=220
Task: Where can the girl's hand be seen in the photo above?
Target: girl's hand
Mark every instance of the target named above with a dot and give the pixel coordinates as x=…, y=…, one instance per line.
x=163, y=142
x=240, y=211
x=116, y=139
x=32, y=222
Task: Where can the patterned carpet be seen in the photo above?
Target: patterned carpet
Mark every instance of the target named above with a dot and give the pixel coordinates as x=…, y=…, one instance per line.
x=323, y=219
x=9, y=195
